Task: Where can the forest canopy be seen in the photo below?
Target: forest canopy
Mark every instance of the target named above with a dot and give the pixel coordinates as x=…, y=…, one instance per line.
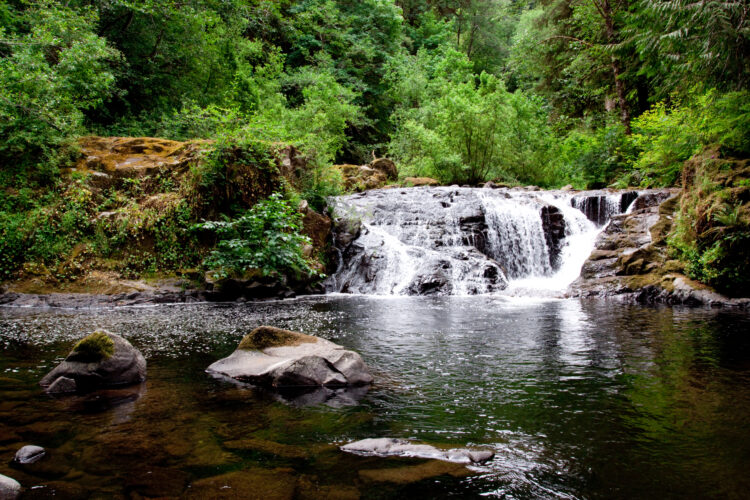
x=588, y=92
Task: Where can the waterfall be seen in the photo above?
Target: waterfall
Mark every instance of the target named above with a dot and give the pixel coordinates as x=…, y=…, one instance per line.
x=465, y=241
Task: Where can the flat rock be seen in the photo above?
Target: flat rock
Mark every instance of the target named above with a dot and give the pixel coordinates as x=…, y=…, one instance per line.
x=86, y=369
x=389, y=447
x=10, y=489
x=282, y=358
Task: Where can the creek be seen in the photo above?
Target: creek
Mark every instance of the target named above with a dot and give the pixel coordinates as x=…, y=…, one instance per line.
x=577, y=398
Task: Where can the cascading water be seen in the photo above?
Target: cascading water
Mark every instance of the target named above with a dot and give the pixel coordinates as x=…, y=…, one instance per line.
x=465, y=241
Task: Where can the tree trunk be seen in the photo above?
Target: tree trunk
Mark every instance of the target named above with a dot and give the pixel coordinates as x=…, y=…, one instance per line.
x=605, y=9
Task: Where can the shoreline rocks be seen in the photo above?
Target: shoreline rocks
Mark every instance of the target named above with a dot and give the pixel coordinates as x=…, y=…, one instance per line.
x=100, y=360
x=273, y=357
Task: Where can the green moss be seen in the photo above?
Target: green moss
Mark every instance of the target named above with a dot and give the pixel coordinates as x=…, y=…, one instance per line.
x=96, y=347
x=264, y=337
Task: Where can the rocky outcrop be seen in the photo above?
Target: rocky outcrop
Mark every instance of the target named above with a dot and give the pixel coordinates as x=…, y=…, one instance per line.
x=10, y=489
x=279, y=358
x=600, y=206
x=389, y=447
x=631, y=259
x=101, y=360
x=372, y=176
x=420, y=181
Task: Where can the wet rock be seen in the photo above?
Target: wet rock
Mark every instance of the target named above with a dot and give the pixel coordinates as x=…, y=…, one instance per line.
x=102, y=359
x=10, y=489
x=251, y=484
x=281, y=358
x=56, y=489
x=29, y=454
x=387, y=447
x=420, y=181
x=652, y=198
x=553, y=225
x=414, y=473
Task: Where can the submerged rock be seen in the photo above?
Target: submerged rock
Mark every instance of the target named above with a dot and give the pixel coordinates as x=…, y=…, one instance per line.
x=102, y=359
x=29, y=454
x=10, y=489
x=387, y=447
x=282, y=358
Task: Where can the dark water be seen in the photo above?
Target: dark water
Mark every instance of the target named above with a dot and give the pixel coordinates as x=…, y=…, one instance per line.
x=578, y=399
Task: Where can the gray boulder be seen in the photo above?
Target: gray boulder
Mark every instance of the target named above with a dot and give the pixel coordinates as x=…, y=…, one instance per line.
x=10, y=489
x=389, y=447
x=29, y=454
x=282, y=358
x=102, y=359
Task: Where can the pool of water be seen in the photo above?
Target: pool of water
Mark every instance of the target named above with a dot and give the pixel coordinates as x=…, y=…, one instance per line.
x=578, y=399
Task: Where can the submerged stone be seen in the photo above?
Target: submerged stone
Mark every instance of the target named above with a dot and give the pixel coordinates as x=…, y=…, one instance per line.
x=389, y=447
x=102, y=359
x=414, y=473
x=29, y=454
x=282, y=358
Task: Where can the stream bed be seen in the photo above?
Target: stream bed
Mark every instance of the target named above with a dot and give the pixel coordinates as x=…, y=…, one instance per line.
x=578, y=399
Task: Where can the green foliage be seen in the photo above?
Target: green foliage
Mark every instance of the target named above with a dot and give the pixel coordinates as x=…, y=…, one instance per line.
x=454, y=128
x=51, y=71
x=668, y=135
x=594, y=159
x=266, y=237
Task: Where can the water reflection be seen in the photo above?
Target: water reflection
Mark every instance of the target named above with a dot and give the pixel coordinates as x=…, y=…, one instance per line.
x=577, y=398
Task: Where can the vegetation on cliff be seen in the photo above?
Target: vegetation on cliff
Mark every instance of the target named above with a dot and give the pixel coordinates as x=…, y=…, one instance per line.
x=590, y=93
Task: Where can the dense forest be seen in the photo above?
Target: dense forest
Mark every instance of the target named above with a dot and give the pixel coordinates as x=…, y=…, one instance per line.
x=591, y=93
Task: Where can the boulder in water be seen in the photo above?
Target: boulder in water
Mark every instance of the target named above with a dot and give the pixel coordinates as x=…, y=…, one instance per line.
x=10, y=489
x=389, y=447
x=282, y=358
x=29, y=454
x=386, y=166
x=102, y=359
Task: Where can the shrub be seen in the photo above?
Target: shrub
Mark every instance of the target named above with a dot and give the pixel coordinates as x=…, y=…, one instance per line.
x=265, y=237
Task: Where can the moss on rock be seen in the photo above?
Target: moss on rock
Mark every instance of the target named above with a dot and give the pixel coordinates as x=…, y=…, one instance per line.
x=96, y=347
x=264, y=337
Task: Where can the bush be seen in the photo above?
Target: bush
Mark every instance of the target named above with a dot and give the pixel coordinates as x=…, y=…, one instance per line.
x=266, y=237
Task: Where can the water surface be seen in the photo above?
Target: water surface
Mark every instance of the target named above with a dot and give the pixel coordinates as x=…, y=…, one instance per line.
x=579, y=399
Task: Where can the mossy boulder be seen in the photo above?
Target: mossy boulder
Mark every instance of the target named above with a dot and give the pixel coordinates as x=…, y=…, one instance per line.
x=274, y=357
x=99, y=360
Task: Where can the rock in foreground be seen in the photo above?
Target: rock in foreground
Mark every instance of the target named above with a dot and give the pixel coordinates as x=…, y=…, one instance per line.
x=282, y=358
x=9, y=488
x=388, y=447
x=102, y=359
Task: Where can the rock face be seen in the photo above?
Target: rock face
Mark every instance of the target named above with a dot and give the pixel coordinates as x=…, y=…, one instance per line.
x=389, y=447
x=10, y=489
x=102, y=359
x=631, y=259
x=279, y=358
x=372, y=176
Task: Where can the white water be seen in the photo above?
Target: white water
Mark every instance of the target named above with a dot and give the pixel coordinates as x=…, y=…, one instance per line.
x=466, y=241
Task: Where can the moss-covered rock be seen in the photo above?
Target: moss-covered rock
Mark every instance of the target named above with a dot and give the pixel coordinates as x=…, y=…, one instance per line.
x=264, y=337
x=712, y=230
x=96, y=347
